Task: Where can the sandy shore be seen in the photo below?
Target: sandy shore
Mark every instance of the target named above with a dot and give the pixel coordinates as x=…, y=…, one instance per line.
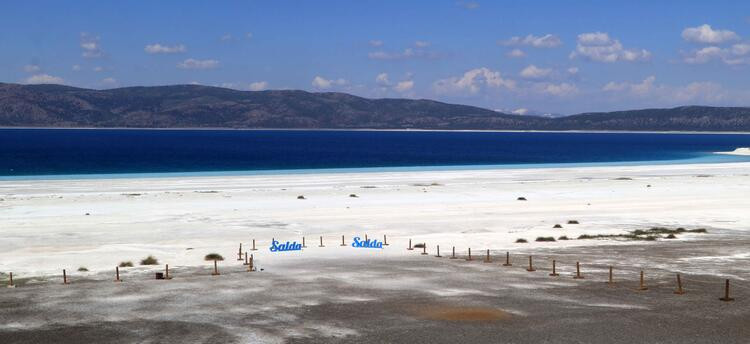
x=344, y=294
x=56, y=224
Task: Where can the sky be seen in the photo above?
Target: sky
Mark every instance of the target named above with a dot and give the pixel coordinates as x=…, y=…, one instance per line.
x=526, y=57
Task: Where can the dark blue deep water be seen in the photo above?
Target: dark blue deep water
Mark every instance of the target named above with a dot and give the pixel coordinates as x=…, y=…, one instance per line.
x=27, y=152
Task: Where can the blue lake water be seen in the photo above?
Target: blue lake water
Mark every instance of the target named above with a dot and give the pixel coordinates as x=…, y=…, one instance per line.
x=58, y=153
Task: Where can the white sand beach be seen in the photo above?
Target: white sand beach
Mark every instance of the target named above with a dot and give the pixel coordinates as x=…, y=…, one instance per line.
x=49, y=225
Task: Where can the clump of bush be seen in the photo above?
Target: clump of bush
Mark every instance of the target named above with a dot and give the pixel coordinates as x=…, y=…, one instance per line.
x=353, y=195
x=301, y=197
x=521, y=241
x=557, y=226
x=150, y=260
x=213, y=256
x=127, y=264
x=83, y=269
x=671, y=236
x=564, y=237
x=521, y=198
x=420, y=245
x=545, y=239
x=572, y=222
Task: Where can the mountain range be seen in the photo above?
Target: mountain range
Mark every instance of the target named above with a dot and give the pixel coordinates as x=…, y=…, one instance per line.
x=195, y=106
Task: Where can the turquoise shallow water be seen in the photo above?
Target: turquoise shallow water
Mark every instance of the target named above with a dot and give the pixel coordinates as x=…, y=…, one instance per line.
x=32, y=154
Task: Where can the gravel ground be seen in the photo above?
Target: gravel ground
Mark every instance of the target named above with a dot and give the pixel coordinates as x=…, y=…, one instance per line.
x=414, y=299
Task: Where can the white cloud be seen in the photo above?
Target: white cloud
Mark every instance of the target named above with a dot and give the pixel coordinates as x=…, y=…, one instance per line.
x=90, y=46
x=109, y=81
x=559, y=90
x=641, y=88
x=520, y=111
x=31, y=68
x=469, y=5
x=546, y=41
x=76, y=68
x=97, y=69
x=323, y=83
x=534, y=72
x=707, y=35
x=573, y=70
x=376, y=43
x=422, y=44
x=599, y=47
x=382, y=79
x=258, y=86
x=225, y=38
x=406, y=54
x=736, y=54
x=516, y=53
x=157, y=48
x=249, y=35
x=473, y=81
x=43, y=79
x=198, y=64
x=403, y=86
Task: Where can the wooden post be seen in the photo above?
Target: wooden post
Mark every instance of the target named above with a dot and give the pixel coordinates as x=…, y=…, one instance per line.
x=10, y=282
x=578, y=271
x=365, y=236
x=469, y=254
x=679, y=290
x=409, y=248
x=321, y=242
x=216, y=269
x=507, y=259
x=254, y=249
x=385, y=240
x=554, y=272
x=642, y=285
x=487, y=259
x=438, y=252
x=239, y=253
x=303, y=246
x=250, y=266
x=726, y=297
x=65, y=277
x=342, y=241
x=531, y=267
x=246, y=262
x=166, y=271
x=117, y=274
x=453, y=255
x=611, y=281
x=424, y=249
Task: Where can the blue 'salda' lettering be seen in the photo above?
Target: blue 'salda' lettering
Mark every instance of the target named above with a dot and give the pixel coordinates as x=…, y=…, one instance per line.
x=367, y=243
x=293, y=246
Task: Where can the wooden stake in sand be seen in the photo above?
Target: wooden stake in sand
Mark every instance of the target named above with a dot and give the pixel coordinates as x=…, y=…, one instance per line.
x=679, y=290
x=554, y=272
x=424, y=249
x=507, y=259
x=166, y=271
x=453, y=255
x=487, y=259
x=342, y=241
x=578, y=271
x=65, y=277
x=365, y=236
x=216, y=269
x=611, y=282
x=321, y=242
x=726, y=297
x=246, y=262
x=438, y=252
x=10, y=282
x=531, y=266
x=239, y=254
x=250, y=266
x=642, y=285
x=409, y=248
x=303, y=246
x=385, y=240
x=469, y=254
x=117, y=274
x=253, y=249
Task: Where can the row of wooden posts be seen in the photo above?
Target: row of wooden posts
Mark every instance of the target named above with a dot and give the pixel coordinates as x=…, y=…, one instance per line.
x=641, y=286
x=248, y=261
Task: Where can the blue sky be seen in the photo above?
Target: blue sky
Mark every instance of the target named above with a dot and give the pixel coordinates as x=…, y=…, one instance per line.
x=524, y=56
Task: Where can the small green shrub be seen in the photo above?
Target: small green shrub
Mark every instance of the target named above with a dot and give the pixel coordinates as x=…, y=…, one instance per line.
x=671, y=236
x=521, y=241
x=214, y=256
x=83, y=269
x=563, y=238
x=545, y=239
x=557, y=226
x=127, y=264
x=150, y=260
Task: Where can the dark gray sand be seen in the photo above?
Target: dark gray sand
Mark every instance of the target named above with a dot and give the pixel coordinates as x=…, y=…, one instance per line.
x=416, y=299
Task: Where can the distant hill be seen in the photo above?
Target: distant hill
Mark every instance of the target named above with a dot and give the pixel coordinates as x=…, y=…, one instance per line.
x=192, y=106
